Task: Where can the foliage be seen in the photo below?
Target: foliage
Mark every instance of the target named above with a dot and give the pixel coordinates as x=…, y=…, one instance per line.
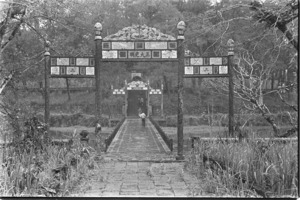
x=259, y=53
x=39, y=168
x=247, y=169
x=220, y=119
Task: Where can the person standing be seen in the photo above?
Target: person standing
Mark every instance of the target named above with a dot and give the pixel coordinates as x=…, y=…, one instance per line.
x=143, y=117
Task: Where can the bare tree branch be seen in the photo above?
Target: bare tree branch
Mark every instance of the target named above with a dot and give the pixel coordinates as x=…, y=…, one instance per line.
x=278, y=20
x=6, y=81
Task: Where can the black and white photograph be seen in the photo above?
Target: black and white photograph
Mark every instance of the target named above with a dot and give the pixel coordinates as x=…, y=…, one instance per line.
x=149, y=99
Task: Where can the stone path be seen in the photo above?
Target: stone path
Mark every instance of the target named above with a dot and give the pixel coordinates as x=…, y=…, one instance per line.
x=139, y=164
x=133, y=142
x=142, y=179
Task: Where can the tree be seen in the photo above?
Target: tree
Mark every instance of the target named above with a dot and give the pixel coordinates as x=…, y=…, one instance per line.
x=259, y=52
x=10, y=24
x=278, y=17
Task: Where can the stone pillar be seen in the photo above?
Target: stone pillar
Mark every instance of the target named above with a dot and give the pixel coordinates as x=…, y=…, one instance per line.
x=98, y=58
x=181, y=26
x=230, y=44
x=162, y=101
x=47, y=87
x=126, y=99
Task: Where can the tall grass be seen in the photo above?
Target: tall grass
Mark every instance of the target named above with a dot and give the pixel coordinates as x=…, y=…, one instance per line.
x=47, y=171
x=247, y=168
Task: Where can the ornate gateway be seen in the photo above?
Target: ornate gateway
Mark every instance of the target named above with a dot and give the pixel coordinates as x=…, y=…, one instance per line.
x=139, y=43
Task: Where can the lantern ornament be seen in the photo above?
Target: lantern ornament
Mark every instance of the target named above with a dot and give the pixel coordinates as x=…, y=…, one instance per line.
x=181, y=27
x=98, y=30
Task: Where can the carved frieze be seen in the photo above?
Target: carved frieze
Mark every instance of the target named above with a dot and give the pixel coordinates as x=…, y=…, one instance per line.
x=137, y=85
x=138, y=32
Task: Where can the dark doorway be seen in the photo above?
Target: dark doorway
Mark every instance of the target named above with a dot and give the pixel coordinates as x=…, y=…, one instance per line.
x=136, y=99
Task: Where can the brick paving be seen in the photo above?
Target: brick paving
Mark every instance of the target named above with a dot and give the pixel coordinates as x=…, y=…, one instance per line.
x=142, y=179
x=139, y=164
x=134, y=138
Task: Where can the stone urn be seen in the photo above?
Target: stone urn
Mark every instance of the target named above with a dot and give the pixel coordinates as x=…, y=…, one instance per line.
x=84, y=135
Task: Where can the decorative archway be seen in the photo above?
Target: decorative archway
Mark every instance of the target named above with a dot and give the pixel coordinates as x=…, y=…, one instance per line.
x=137, y=95
x=141, y=44
x=138, y=43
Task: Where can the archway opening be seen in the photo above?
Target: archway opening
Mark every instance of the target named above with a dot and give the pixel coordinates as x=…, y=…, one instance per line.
x=137, y=99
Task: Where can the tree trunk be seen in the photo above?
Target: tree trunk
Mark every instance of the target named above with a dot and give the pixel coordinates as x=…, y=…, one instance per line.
x=166, y=85
x=272, y=82
x=260, y=98
x=267, y=117
x=68, y=89
x=283, y=28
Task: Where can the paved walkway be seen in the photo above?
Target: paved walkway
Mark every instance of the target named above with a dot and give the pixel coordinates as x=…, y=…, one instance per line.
x=142, y=179
x=133, y=142
x=139, y=164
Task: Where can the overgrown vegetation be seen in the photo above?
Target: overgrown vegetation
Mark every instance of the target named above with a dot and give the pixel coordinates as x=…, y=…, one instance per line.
x=248, y=168
x=35, y=166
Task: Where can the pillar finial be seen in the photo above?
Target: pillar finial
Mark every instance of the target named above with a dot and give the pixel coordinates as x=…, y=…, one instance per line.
x=98, y=31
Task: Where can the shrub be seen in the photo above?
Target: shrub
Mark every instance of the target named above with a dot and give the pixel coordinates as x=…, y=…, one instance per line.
x=32, y=166
x=265, y=168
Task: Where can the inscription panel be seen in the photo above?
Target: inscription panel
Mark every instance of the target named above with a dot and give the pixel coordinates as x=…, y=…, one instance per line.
x=109, y=54
x=156, y=45
x=90, y=70
x=206, y=66
x=55, y=70
x=72, y=70
x=223, y=69
x=188, y=70
x=62, y=61
x=206, y=70
x=169, y=54
x=172, y=45
x=82, y=61
x=215, y=61
x=145, y=50
x=139, y=54
x=106, y=45
x=72, y=67
x=122, y=45
x=196, y=61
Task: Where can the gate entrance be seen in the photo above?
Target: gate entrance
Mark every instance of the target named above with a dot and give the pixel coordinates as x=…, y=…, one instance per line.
x=137, y=99
x=140, y=44
x=137, y=96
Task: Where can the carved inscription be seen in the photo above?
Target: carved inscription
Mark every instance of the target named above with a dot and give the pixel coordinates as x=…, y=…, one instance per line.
x=139, y=54
x=189, y=70
x=55, y=70
x=90, y=71
x=72, y=70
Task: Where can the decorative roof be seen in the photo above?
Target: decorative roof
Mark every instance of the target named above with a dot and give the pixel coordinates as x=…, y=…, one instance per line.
x=137, y=84
x=138, y=32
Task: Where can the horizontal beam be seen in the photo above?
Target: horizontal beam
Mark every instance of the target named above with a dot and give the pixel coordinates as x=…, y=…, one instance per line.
x=72, y=76
x=206, y=76
x=139, y=60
